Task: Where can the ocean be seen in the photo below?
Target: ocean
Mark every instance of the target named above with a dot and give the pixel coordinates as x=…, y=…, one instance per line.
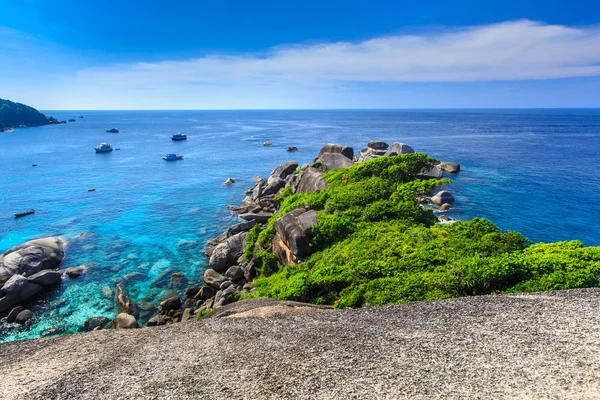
x=531, y=171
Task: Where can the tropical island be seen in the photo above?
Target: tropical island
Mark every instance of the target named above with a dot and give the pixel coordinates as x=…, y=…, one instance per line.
x=14, y=115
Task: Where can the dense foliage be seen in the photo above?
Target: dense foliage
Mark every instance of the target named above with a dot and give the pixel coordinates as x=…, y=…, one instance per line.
x=16, y=114
x=376, y=245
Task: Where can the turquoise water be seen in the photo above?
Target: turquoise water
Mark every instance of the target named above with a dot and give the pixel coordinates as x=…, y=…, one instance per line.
x=526, y=170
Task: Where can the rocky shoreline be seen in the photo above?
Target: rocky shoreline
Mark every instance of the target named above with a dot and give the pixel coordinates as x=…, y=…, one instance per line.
x=29, y=270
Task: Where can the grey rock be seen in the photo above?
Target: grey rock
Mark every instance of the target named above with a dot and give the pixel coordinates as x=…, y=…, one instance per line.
x=337, y=148
x=93, y=323
x=433, y=173
x=23, y=317
x=292, y=148
x=31, y=257
x=46, y=277
x=75, y=272
x=295, y=229
x=399, y=148
x=159, y=320
x=192, y=291
x=124, y=321
x=205, y=292
x=234, y=272
x=450, y=167
x=259, y=218
x=443, y=197
x=377, y=145
x=241, y=227
x=311, y=180
x=12, y=315
x=249, y=270
x=227, y=253
x=213, y=278
x=258, y=189
x=172, y=303
x=225, y=285
x=274, y=185
x=331, y=161
x=284, y=170
x=16, y=290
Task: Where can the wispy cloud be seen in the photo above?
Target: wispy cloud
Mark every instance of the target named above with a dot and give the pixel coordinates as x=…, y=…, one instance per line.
x=516, y=50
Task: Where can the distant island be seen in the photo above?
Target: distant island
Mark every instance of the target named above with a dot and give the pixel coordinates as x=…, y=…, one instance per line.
x=14, y=115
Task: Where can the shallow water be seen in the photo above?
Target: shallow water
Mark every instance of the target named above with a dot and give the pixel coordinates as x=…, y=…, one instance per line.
x=527, y=170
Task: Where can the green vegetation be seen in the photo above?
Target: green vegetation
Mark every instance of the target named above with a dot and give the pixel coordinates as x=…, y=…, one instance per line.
x=16, y=114
x=375, y=245
x=203, y=313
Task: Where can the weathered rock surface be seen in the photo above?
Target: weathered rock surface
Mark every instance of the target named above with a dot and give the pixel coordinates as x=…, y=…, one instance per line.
x=227, y=253
x=23, y=317
x=125, y=321
x=31, y=257
x=12, y=315
x=450, y=167
x=292, y=148
x=234, y=272
x=93, y=323
x=172, y=303
x=453, y=349
x=284, y=170
x=213, y=278
x=241, y=227
x=331, y=161
x=295, y=229
x=274, y=185
x=17, y=290
x=399, y=148
x=259, y=218
x=75, y=272
x=442, y=197
x=377, y=145
x=311, y=180
x=433, y=173
x=46, y=277
x=337, y=148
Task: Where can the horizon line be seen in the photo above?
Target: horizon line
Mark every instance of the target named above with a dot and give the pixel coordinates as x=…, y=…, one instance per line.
x=331, y=109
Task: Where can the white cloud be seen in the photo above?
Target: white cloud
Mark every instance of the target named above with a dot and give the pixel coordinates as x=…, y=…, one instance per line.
x=517, y=50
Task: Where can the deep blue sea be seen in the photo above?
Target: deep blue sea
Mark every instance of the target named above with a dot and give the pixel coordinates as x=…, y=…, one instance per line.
x=533, y=171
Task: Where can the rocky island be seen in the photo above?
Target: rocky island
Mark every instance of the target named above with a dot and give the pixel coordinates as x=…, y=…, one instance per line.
x=14, y=115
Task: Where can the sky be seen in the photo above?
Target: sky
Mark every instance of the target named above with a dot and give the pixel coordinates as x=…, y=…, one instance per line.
x=220, y=54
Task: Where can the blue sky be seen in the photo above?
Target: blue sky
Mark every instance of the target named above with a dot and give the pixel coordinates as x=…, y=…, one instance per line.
x=67, y=54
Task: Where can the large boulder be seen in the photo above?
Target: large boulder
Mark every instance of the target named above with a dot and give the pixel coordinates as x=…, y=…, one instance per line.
x=46, y=277
x=234, y=272
x=337, y=148
x=213, y=278
x=205, y=292
x=368, y=153
x=284, y=170
x=450, y=167
x=434, y=172
x=399, y=148
x=331, y=161
x=23, y=317
x=241, y=227
x=310, y=181
x=259, y=218
x=16, y=290
x=283, y=253
x=172, y=303
x=377, y=145
x=443, y=197
x=274, y=184
x=93, y=323
x=227, y=253
x=124, y=321
x=12, y=315
x=31, y=257
x=295, y=230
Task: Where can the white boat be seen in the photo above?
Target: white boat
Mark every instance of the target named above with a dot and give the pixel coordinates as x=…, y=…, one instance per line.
x=103, y=148
x=179, y=136
x=172, y=157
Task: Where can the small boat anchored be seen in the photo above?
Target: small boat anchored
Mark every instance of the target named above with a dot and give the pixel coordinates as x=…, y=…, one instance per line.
x=103, y=148
x=179, y=136
x=172, y=157
x=24, y=213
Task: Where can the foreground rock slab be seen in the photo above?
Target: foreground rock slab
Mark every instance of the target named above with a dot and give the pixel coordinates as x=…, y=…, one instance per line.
x=541, y=345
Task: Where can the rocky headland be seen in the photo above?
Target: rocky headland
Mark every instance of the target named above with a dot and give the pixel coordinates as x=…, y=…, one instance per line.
x=17, y=115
